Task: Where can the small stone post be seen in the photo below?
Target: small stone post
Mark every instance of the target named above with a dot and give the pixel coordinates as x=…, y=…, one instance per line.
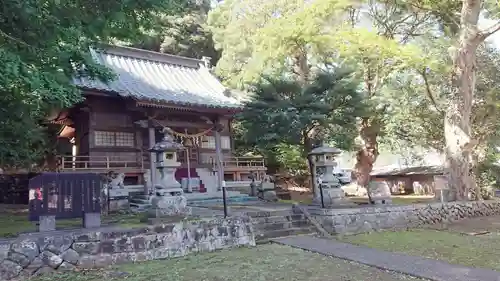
x=324, y=164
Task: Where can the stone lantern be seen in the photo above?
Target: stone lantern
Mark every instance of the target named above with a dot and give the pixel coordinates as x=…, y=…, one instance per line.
x=168, y=196
x=166, y=163
x=327, y=189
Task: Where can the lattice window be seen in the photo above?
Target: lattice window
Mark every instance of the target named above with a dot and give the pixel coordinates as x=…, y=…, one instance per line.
x=124, y=139
x=119, y=139
x=209, y=142
x=103, y=138
x=225, y=142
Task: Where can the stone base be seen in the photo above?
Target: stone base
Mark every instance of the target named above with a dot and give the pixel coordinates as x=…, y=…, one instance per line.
x=91, y=220
x=47, y=223
x=267, y=195
x=448, y=195
x=331, y=197
x=118, y=205
x=163, y=206
x=380, y=192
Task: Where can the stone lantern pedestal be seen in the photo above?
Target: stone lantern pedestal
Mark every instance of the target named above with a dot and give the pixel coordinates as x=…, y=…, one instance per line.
x=168, y=197
x=327, y=187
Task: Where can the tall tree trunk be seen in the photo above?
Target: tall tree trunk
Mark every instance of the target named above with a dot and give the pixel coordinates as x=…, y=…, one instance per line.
x=457, y=121
x=475, y=173
x=368, y=152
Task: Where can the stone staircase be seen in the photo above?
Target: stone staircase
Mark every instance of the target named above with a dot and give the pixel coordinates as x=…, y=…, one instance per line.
x=139, y=203
x=270, y=225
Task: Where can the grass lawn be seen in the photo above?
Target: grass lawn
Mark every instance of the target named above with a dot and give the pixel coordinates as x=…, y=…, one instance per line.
x=14, y=220
x=263, y=263
x=456, y=248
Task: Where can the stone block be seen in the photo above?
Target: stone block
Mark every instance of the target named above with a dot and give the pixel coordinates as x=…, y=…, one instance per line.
x=103, y=260
x=66, y=266
x=123, y=245
x=44, y=271
x=58, y=244
x=86, y=261
x=51, y=259
x=20, y=259
x=9, y=270
x=87, y=237
x=35, y=265
x=90, y=248
x=27, y=247
x=71, y=256
x=47, y=223
x=91, y=220
x=139, y=243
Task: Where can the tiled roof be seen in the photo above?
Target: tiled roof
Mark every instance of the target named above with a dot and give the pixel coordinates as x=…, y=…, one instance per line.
x=160, y=78
x=406, y=171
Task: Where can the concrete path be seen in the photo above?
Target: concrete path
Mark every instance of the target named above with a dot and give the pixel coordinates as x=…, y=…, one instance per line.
x=415, y=266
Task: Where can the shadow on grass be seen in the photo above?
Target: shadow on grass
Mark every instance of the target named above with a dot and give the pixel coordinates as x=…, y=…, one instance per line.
x=14, y=221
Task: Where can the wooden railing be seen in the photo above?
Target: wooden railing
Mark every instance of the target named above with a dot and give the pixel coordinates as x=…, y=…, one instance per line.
x=73, y=163
x=85, y=163
x=240, y=162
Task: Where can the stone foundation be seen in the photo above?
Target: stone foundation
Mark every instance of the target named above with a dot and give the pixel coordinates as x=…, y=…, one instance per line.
x=38, y=253
x=359, y=220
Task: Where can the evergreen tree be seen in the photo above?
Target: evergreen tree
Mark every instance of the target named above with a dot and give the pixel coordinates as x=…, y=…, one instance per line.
x=284, y=114
x=183, y=34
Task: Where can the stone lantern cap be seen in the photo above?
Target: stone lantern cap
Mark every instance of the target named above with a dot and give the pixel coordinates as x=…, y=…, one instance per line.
x=324, y=149
x=166, y=144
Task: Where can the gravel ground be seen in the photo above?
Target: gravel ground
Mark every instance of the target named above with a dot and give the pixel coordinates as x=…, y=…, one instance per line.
x=263, y=263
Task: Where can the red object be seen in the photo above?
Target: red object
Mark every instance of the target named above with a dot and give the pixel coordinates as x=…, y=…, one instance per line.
x=183, y=173
x=38, y=193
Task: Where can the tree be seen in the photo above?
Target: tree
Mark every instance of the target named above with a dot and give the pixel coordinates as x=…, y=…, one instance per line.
x=185, y=34
x=418, y=107
x=43, y=45
x=298, y=37
x=459, y=21
x=285, y=113
x=457, y=120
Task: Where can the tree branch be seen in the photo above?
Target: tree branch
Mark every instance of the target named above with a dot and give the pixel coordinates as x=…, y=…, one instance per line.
x=483, y=35
x=19, y=41
x=429, y=92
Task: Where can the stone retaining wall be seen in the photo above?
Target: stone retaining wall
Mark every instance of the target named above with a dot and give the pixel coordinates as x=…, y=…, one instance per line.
x=38, y=253
x=359, y=220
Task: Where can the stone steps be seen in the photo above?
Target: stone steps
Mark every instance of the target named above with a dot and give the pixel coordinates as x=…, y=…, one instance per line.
x=277, y=224
x=262, y=238
x=278, y=219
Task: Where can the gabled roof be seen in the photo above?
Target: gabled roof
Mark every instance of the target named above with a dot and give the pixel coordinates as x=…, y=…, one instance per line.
x=160, y=78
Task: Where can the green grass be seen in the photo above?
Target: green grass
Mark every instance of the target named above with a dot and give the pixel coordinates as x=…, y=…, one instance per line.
x=14, y=221
x=475, y=251
x=263, y=263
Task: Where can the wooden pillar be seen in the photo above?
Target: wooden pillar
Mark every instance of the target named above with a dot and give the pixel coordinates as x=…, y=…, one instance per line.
x=152, y=155
x=220, y=169
x=218, y=160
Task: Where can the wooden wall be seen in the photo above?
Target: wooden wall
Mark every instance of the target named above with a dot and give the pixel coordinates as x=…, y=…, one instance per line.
x=119, y=115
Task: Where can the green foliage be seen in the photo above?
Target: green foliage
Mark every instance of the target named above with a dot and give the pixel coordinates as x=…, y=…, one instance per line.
x=286, y=116
x=43, y=45
x=183, y=34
